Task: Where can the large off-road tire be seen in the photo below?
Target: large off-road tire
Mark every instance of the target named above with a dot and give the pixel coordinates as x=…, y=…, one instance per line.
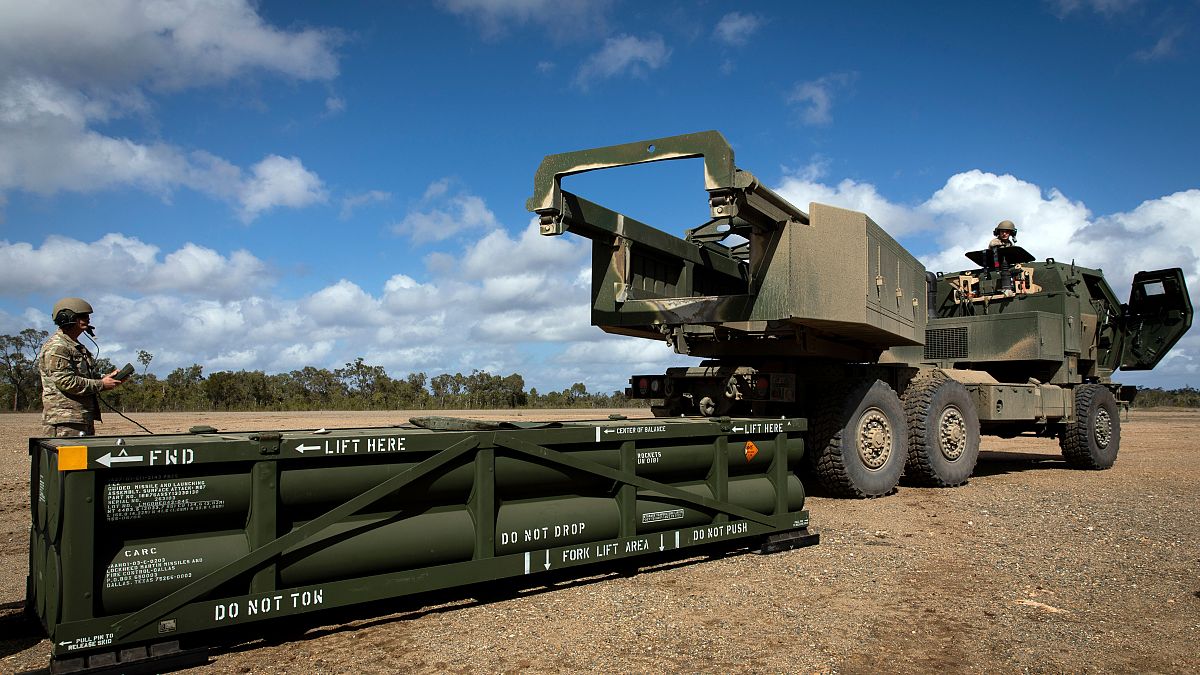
x=1093, y=439
x=860, y=441
x=943, y=432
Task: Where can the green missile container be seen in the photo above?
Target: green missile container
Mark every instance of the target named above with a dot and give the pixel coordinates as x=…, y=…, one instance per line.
x=141, y=542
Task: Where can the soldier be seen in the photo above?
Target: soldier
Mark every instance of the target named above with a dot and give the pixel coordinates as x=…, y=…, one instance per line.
x=70, y=406
x=1005, y=233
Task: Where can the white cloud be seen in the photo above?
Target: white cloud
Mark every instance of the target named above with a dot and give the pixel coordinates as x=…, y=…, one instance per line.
x=298, y=355
x=353, y=202
x=520, y=302
x=445, y=214
x=67, y=67
x=422, y=358
x=804, y=186
x=1163, y=48
x=279, y=181
x=242, y=359
x=334, y=105
x=637, y=356
x=736, y=29
x=814, y=98
x=970, y=204
x=555, y=324
x=533, y=251
x=623, y=54
x=343, y=304
x=180, y=330
x=402, y=294
x=436, y=325
x=606, y=362
x=470, y=300
x=526, y=288
x=1108, y=8
x=118, y=263
x=1157, y=234
x=495, y=17
x=124, y=43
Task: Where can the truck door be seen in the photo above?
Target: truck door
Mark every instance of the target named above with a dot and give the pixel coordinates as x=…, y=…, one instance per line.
x=1158, y=314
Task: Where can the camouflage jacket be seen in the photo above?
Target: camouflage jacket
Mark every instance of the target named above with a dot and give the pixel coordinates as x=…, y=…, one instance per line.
x=69, y=382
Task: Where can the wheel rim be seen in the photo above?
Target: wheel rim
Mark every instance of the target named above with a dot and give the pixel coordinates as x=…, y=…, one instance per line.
x=1103, y=428
x=952, y=433
x=874, y=439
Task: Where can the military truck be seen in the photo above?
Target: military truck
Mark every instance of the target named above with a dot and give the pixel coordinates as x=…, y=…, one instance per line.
x=821, y=314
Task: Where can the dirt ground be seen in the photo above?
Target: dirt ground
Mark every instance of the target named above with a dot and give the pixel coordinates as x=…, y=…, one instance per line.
x=1030, y=567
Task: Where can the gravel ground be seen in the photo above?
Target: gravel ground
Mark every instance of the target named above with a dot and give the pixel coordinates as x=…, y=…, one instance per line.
x=1030, y=567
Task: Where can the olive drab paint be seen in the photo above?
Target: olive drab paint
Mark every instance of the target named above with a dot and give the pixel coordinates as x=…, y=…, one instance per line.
x=800, y=313
x=802, y=278
x=251, y=527
x=821, y=335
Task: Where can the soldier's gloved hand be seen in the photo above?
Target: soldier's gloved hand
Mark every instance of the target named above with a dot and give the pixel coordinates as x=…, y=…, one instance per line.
x=109, y=381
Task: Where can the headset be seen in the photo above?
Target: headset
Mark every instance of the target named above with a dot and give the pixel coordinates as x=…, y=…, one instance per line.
x=66, y=317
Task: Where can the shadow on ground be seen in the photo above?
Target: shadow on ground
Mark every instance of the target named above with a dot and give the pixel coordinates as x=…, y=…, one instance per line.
x=993, y=463
x=20, y=631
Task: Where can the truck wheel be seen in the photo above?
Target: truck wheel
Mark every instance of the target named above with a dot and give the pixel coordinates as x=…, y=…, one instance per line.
x=1092, y=440
x=860, y=441
x=943, y=432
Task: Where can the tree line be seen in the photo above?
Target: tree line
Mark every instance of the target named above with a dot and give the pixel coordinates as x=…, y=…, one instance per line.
x=1155, y=397
x=357, y=386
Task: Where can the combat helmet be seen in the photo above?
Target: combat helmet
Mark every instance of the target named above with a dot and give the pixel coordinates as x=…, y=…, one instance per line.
x=67, y=309
x=1005, y=225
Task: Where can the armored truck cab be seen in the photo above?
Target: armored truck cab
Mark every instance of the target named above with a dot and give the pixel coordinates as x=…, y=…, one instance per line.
x=1023, y=336
x=822, y=314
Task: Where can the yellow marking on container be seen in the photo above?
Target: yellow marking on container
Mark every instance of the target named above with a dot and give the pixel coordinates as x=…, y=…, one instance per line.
x=72, y=458
x=751, y=450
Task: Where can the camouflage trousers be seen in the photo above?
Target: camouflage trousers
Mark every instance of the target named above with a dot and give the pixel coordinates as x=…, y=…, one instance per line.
x=69, y=429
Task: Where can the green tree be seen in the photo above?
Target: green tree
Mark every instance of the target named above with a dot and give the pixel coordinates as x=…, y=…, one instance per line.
x=315, y=389
x=144, y=357
x=447, y=389
x=18, y=361
x=368, y=386
x=185, y=388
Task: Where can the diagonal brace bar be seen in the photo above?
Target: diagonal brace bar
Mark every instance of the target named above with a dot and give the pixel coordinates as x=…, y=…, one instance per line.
x=513, y=443
x=260, y=555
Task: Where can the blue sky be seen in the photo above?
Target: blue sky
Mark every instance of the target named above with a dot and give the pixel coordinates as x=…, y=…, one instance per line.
x=279, y=184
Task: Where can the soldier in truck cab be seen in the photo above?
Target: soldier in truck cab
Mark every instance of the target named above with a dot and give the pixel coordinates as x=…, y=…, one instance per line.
x=1006, y=236
x=1005, y=233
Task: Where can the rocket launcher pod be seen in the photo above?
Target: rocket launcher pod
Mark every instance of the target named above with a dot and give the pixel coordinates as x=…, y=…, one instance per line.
x=173, y=540
x=761, y=276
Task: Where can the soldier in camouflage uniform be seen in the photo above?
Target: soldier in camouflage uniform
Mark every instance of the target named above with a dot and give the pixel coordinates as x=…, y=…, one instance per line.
x=70, y=406
x=1005, y=233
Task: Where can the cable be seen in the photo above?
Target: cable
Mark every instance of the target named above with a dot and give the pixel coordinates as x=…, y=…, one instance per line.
x=110, y=407
x=91, y=336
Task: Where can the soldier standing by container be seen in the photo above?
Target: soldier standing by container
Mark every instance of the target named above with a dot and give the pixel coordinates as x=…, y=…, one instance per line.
x=70, y=406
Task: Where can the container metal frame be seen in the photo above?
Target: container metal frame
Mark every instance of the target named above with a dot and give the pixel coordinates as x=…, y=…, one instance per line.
x=69, y=524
